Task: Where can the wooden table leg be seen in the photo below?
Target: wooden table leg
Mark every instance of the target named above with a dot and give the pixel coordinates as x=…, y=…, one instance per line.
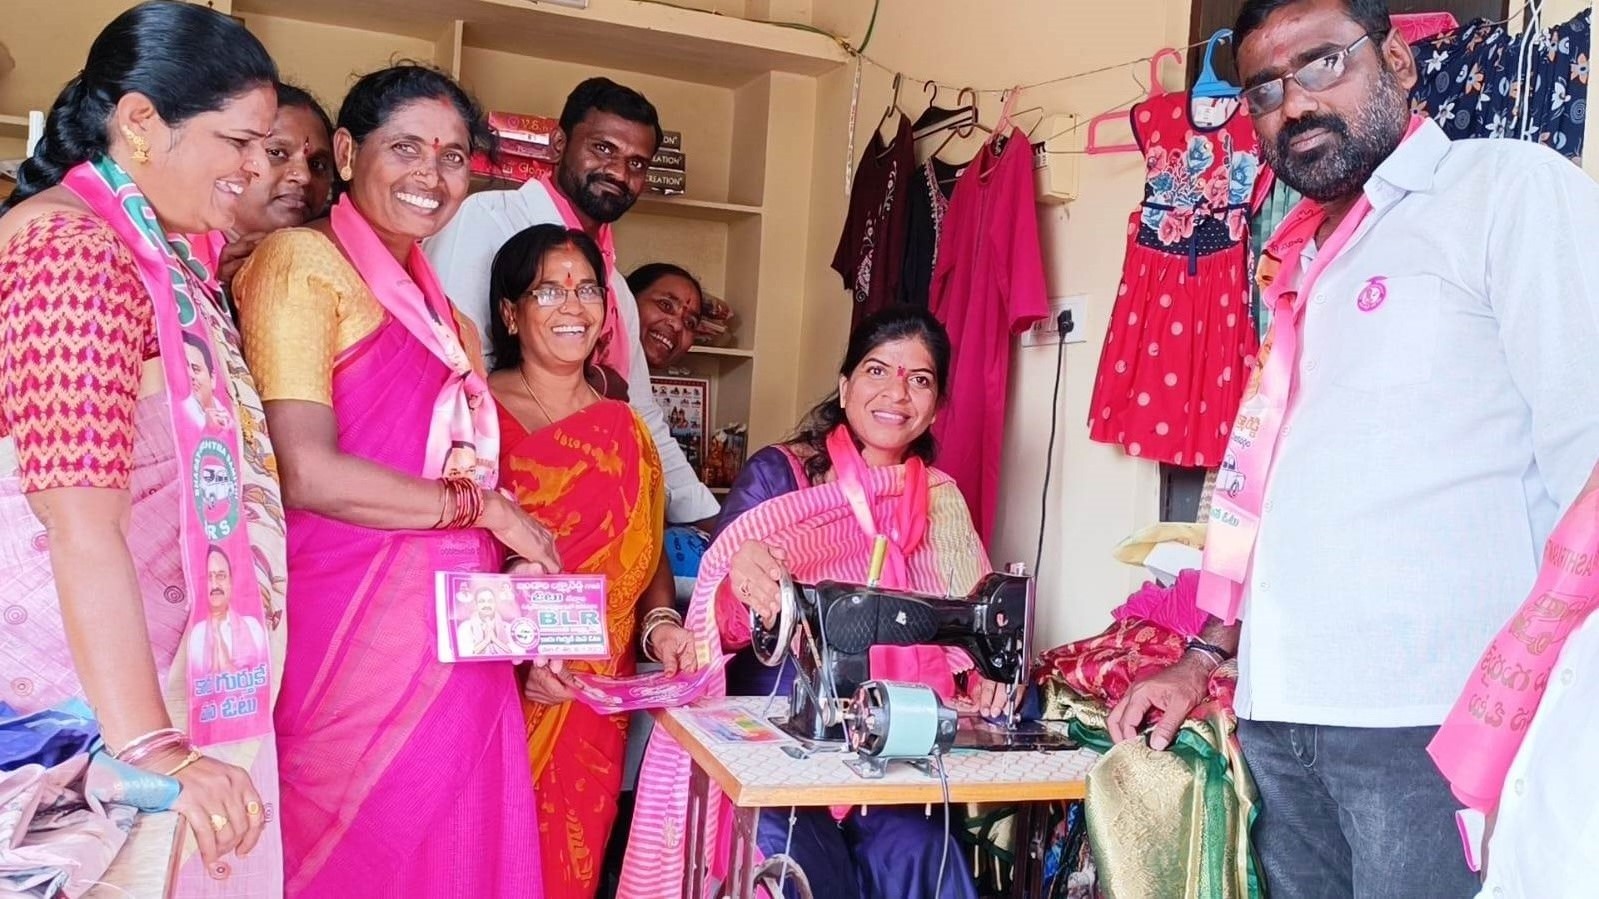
x=696, y=862
x=1030, y=843
x=741, y=879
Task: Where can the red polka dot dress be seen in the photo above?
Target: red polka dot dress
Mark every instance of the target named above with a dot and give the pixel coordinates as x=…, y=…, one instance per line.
x=1173, y=367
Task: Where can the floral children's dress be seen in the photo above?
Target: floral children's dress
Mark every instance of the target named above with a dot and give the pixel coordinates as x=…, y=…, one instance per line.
x=1180, y=335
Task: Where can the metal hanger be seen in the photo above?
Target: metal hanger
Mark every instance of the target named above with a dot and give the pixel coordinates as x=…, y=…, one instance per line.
x=893, y=107
x=1093, y=146
x=960, y=122
x=937, y=119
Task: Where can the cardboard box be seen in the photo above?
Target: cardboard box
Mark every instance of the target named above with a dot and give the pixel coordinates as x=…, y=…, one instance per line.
x=515, y=169
x=666, y=181
x=670, y=160
x=529, y=136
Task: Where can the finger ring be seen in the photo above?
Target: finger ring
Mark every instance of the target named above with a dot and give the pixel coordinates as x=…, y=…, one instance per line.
x=252, y=808
x=219, y=823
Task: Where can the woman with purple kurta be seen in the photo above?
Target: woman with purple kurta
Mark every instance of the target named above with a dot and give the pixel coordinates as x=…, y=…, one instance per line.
x=402, y=776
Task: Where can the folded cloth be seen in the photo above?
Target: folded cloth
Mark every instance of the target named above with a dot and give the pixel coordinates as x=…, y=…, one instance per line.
x=52, y=842
x=1174, y=608
x=47, y=737
x=1135, y=549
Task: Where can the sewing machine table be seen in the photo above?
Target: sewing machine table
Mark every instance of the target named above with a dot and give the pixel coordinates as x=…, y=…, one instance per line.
x=757, y=776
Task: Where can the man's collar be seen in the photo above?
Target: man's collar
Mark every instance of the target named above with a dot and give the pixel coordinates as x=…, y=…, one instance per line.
x=1410, y=168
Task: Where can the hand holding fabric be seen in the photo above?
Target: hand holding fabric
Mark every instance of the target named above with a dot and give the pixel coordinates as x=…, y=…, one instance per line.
x=214, y=793
x=1173, y=693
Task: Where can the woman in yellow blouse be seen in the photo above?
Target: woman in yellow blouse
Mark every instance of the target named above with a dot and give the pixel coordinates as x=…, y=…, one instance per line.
x=394, y=765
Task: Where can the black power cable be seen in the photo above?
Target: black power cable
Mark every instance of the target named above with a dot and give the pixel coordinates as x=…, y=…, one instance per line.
x=1064, y=325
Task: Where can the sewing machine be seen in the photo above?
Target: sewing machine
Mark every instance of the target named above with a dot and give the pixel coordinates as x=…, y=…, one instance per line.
x=830, y=628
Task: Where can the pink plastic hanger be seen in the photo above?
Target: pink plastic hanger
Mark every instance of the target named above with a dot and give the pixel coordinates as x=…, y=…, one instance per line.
x=1093, y=146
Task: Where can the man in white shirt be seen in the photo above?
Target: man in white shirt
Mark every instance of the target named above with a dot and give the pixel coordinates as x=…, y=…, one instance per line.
x=611, y=134
x=1440, y=415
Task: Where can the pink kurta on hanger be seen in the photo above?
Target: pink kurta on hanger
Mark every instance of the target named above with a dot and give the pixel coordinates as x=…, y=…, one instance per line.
x=988, y=286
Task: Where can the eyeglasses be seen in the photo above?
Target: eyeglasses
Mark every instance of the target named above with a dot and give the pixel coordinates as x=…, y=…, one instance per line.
x=1315, y=77
x=554, y=294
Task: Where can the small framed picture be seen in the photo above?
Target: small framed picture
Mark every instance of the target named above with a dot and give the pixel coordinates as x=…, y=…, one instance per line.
x=685, y=403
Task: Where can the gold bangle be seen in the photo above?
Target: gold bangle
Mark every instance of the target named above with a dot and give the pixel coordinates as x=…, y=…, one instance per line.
x=191, y=758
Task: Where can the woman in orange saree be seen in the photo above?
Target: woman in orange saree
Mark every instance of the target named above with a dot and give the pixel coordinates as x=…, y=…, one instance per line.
x=585, y=467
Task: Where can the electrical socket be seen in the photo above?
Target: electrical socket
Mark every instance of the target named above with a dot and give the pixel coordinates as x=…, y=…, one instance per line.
x=1047, y=333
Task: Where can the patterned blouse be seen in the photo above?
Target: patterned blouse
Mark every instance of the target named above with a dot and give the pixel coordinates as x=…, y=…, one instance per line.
x=77, y=329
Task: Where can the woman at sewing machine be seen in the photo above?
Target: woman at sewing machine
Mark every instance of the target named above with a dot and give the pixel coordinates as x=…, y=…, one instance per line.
x=858, y=467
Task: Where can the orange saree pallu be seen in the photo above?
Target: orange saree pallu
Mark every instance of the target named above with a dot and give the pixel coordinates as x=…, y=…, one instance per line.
x=594, y=481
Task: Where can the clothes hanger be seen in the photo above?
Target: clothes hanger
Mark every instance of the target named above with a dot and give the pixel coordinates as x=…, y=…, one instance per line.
x=938, y=119
x=1210, y=85
x=1028, y=111
x=893, y=107
x=935, y=119
x=1092, y=145
x=1000, y=133
x=961, y=122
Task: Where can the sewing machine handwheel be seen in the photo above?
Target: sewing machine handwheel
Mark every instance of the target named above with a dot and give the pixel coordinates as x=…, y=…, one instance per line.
x=770, y=644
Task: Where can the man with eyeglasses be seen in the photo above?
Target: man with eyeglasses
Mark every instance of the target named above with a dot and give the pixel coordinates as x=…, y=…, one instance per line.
x=1423, y=410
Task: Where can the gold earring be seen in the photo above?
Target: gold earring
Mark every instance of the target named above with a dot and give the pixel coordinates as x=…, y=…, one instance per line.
x=346, y=173
x=141, y=147
x=512, y=329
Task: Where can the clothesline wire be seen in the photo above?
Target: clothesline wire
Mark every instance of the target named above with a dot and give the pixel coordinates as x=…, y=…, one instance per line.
x=1520, y=12
x=1083, y=122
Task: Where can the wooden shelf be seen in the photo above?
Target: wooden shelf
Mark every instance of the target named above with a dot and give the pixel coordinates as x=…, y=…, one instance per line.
x=725, y=351
x=14, y=124
x=703, y=210
x=653, y=204
x=630, y=35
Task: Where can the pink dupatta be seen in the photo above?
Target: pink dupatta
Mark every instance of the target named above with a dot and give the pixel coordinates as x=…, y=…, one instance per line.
x=1241, y=483
x=463, y=414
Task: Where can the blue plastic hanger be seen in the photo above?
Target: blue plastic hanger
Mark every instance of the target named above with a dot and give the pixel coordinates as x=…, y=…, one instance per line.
x=1209, y=84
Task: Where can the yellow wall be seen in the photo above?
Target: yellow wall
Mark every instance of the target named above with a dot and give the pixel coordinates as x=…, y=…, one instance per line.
x=326, y=59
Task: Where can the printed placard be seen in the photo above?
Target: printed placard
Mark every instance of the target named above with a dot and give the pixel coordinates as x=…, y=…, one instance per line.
x=489, y=617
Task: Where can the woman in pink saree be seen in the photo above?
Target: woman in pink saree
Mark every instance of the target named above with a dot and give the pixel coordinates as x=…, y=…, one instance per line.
x=402, y=776
x=105, y=279
x=813, y=507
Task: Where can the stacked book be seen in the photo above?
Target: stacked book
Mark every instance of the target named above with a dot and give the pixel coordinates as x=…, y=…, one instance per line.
x=668, y=174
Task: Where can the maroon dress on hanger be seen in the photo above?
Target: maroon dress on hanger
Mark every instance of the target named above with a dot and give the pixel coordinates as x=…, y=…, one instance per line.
x=1173, y=368
x=871, y=248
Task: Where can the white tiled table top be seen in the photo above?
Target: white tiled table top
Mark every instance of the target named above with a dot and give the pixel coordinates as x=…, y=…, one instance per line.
x=762, y=775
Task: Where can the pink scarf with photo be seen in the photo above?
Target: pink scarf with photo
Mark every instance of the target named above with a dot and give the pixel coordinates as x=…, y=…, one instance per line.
x=211, y=459
x=1240, y=492
x=464, y=415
